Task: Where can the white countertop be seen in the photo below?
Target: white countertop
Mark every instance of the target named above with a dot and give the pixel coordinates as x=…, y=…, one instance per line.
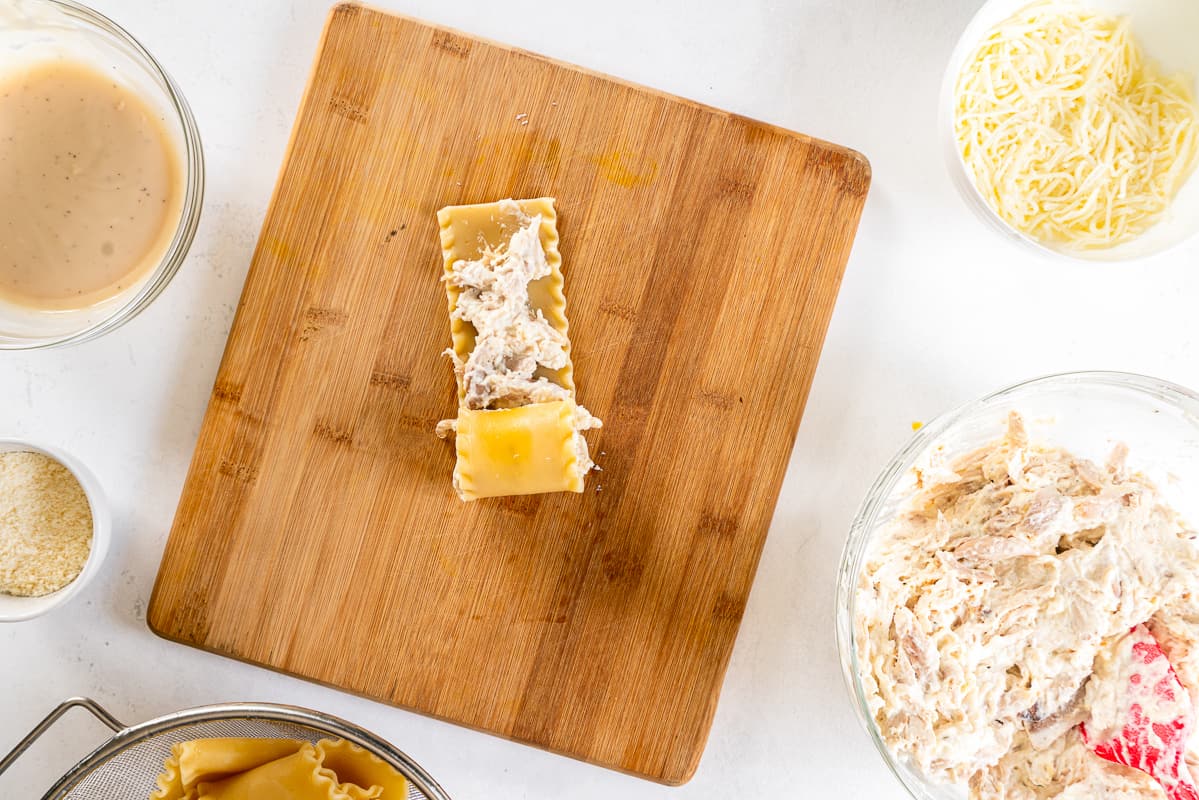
x=935, y=310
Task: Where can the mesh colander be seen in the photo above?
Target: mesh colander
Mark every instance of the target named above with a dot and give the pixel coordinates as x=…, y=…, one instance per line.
x=125, y=767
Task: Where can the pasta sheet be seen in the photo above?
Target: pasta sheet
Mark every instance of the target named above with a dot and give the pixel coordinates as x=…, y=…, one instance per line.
x=276, y=769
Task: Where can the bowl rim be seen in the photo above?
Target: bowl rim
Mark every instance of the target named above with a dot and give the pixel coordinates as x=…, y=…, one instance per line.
x=101, y=532
x=865, y=521
x=193, y=194
x=963, y=182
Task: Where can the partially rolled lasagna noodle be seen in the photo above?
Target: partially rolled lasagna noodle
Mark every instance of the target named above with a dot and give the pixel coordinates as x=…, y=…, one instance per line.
x=276, y=769
x=519, y=428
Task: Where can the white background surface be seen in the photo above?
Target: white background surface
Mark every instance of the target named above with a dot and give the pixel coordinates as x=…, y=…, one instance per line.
x=935, y=310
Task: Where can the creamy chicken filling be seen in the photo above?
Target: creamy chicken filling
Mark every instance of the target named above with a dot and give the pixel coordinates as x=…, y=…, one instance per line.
x=988, y=611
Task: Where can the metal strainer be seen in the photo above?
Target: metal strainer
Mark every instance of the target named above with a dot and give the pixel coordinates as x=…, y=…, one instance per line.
x=125, y=767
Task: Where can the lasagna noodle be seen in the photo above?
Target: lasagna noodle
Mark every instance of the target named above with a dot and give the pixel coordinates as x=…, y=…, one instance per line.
x=299, y=776
x=360, y=767
x=511, y=451
x=276, y=769
x=529, y=449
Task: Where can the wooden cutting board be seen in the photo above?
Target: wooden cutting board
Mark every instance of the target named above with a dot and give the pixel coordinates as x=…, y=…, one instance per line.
x=318, y=533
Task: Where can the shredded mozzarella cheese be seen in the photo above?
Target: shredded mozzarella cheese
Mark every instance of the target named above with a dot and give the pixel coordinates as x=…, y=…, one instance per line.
x=1070, y=135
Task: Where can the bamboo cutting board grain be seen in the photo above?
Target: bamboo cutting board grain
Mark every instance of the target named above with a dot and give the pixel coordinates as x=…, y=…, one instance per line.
x=318, y=533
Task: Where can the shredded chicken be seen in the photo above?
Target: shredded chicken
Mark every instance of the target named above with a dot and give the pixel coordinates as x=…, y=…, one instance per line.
x=511, y=338
x=987, y=609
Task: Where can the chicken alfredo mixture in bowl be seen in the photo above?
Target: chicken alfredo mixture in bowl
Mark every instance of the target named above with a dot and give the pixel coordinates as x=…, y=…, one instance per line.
x=1000, y=574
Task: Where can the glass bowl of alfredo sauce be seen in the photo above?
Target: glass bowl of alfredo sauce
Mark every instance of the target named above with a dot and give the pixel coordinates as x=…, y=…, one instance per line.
x=103, y=175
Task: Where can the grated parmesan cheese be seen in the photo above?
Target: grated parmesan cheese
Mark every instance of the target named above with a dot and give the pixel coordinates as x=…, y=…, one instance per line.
x=45, y=525
x=1070, y=135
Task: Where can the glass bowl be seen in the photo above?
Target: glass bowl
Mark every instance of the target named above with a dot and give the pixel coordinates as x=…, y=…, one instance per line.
x=38, y=30
x=1087, y=413
x=1166, y=31
x=19, y=609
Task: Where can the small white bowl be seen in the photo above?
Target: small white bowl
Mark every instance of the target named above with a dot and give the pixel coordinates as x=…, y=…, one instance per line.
x=17, y=609
x=1166, y=31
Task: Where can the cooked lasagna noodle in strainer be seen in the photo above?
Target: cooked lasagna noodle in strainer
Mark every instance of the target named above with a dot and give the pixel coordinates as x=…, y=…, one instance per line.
x=266, y=769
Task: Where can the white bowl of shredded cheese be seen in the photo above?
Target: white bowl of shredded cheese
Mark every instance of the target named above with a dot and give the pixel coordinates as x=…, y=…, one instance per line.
x=54, y=528
x=1055, y=173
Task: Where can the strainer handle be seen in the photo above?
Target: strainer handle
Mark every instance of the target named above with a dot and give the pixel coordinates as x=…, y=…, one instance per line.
x=98, y=711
